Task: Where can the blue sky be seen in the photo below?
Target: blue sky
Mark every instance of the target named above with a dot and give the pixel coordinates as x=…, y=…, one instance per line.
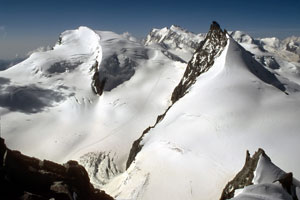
x=28, y=24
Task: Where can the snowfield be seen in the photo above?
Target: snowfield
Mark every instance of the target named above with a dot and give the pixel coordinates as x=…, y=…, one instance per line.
x=59, y=117
x=248, y=99
x=200, y=144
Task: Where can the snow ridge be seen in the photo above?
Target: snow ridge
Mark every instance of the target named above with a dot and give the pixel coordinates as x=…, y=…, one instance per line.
x=202, y=60
x=287, y=49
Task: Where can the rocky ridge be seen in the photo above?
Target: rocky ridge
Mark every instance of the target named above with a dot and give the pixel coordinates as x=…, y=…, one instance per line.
x=203, y=58
x=210, y=48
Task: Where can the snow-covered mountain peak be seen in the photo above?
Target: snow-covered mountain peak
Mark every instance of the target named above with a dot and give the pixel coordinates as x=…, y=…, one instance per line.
x=224, y=104
x=241, y=37
x=202, y=60
x=178, y=29
x=209, y=49
x=175, y=42
x=265, y=49
x=122, y=54
x=83, y=37
x=55, y=90
x=292, y=44
x=75, y=53
x=272, y=42
x=174, y=38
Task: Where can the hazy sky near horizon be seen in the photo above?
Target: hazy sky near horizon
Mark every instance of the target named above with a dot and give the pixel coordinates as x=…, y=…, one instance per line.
x=28, y=24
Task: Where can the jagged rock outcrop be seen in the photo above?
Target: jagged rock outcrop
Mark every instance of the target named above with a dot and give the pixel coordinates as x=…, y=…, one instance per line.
x=202, y=60
x=244, y=177
x=97, y=84
x=261, y=179
x=24, y=177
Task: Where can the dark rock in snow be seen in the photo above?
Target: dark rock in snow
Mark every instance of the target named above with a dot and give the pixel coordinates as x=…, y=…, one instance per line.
x=97, y=84
x=24, y=177
x=115, y=72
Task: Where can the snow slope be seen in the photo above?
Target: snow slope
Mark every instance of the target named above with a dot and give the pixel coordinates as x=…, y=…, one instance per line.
x=42, y=93
x=280, y=56
x=48, y=108
x=200, y=143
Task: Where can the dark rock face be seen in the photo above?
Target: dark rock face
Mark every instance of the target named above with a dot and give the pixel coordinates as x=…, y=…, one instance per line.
x=136, y=147
x=202, y=60
x=97, y=84
x=244, y=177
x=24, y=177
x=115, y=71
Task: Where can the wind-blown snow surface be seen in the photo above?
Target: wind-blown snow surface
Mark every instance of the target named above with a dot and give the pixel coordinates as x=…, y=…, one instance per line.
x=49, y=110
x=200, y=144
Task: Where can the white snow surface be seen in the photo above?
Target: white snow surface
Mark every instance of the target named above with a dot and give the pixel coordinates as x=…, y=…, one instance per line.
x=71, y=120
x=201, y=143
x=264, y=192
x=49, y=111
x=266, y=171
